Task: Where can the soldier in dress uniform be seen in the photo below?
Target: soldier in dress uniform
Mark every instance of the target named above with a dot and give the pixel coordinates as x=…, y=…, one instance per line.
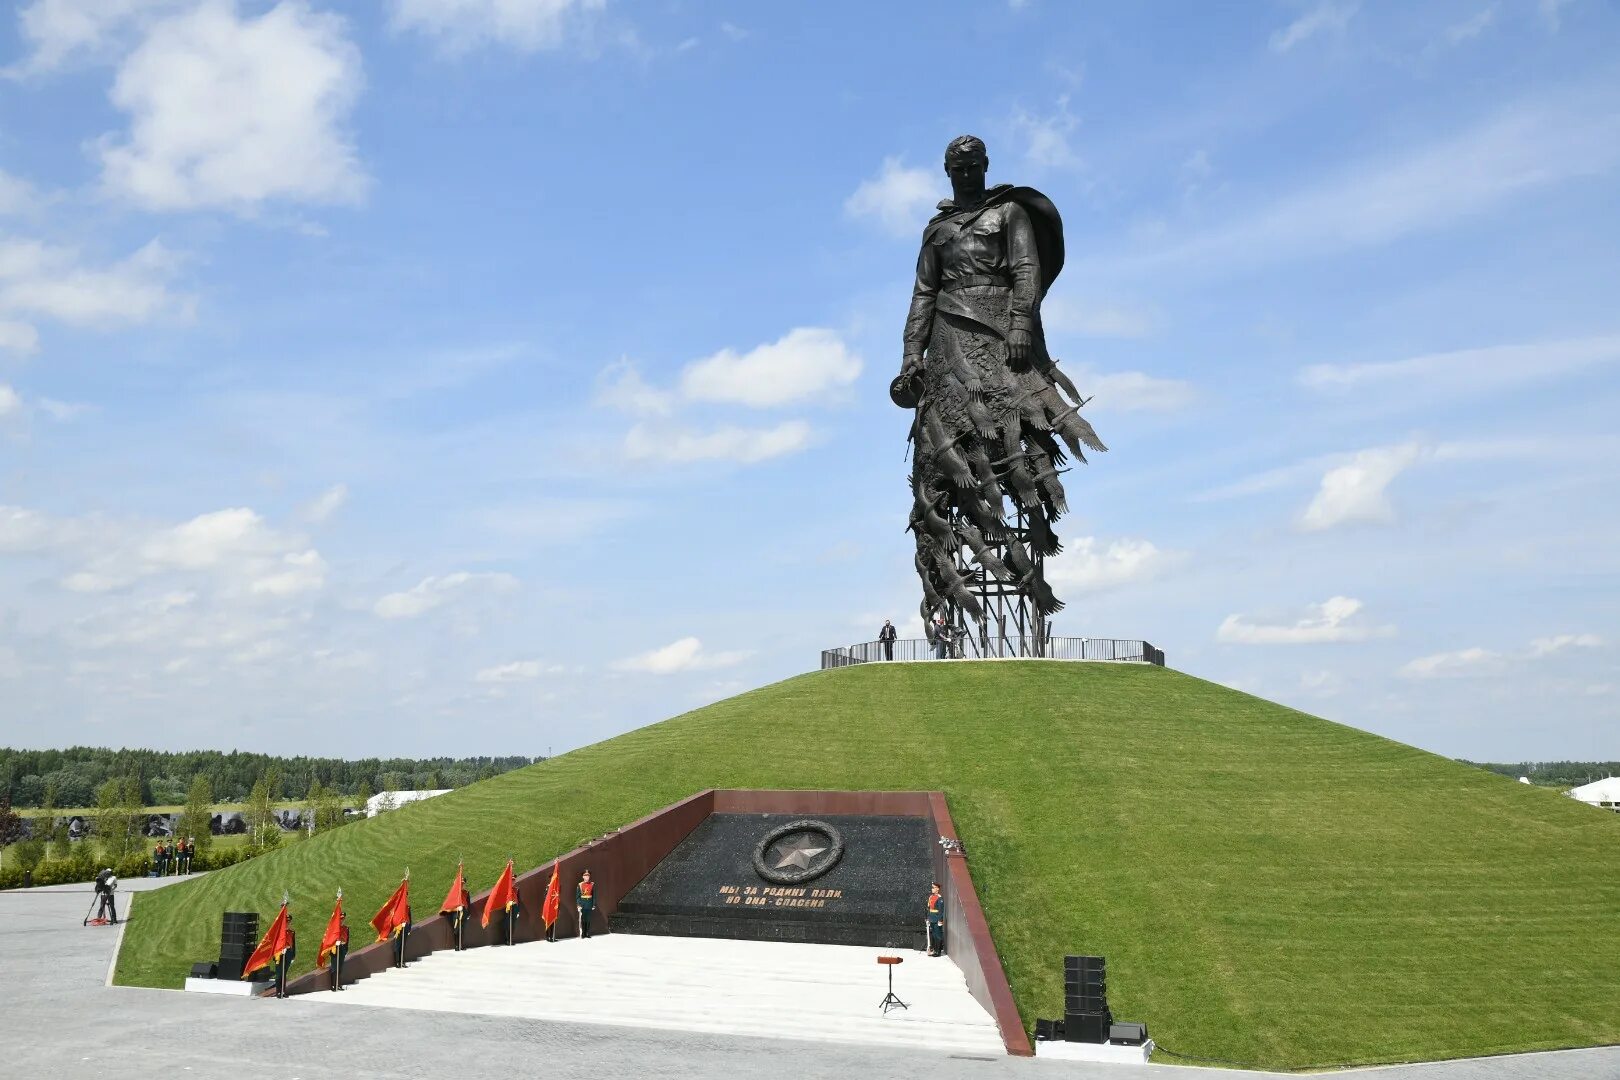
x=585, y=901
x=400, y=939
x=340, y=953
x=936, y=922
x=159, y=858
x=191, y=852
x=285, y=961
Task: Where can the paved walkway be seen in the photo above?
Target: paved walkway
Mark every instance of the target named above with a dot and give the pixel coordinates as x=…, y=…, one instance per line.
x=59, y=1021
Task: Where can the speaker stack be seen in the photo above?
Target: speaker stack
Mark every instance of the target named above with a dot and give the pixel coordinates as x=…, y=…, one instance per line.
x=1085, y=999
x=238, y=936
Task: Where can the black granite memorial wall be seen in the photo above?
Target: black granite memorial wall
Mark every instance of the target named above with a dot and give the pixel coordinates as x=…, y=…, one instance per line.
x=861, y=881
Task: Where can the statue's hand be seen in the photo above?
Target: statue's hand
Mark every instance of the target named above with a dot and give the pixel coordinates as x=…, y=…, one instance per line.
x=1018, y=345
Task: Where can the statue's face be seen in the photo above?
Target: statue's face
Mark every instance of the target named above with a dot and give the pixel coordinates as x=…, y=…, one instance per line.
x=967, y=169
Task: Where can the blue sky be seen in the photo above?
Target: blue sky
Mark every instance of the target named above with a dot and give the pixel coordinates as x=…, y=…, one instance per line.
x=489, y=376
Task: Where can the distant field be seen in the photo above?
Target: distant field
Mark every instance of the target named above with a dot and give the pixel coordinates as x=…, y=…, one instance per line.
x=1267, y=887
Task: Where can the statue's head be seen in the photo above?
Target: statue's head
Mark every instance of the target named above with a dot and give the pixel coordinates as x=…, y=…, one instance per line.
x=965, y=157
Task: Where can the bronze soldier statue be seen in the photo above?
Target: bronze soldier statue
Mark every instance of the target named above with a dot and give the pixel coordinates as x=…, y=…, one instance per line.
x=995, y=420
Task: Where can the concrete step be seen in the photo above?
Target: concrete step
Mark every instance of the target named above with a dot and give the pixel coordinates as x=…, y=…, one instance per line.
x=771, y=989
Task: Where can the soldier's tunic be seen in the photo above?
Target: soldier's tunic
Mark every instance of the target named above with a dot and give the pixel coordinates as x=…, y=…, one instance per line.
x=585, y=900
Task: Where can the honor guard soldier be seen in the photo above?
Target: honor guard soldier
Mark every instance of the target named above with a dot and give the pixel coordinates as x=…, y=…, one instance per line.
x=340, y=953
x=936, y=922
x=285, y=960
x=191, y=852
x=585, y=901
x=400, y=939
x=509, y=919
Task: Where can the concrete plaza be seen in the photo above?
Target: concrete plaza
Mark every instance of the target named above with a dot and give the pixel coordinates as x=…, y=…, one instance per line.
x=59, y=1020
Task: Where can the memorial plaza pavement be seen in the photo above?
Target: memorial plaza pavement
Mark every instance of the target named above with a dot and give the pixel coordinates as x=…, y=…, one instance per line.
x=60, y=1020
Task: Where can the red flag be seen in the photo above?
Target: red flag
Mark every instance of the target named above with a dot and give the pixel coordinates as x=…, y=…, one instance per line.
x=391, y=918
x=329, y=940
x=457, y=896
x=276, y=941
x=502, y=896
x=548, y=910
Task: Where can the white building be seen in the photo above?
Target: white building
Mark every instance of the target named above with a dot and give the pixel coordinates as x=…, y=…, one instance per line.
x=391, y=799
x=1603, y=793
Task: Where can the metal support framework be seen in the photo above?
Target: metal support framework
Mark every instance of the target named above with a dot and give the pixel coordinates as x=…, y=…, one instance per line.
x=1012, y=626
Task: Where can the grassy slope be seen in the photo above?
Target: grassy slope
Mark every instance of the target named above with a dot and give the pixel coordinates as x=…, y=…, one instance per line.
x=1267, y=886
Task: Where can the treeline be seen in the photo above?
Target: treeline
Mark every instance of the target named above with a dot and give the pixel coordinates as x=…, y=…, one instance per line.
x=1564, y=774
x=74, y=777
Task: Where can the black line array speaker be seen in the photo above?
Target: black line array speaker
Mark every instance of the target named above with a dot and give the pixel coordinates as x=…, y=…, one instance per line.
x=1048, y=1030
x=1085, y=999
x=238, y=937
x=204, y=969
x=1087, y=1027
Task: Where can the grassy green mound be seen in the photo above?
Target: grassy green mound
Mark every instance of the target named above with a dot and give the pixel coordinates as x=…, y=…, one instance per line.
x=1268, y=887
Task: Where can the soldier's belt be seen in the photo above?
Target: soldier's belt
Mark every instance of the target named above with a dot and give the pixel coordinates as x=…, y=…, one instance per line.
x=973, y=280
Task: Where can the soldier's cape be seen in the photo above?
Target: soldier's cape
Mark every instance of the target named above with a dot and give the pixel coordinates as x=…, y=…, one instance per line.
x=1042, y=215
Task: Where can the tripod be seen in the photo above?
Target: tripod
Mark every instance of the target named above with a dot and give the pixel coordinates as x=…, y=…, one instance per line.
x=891, y=1000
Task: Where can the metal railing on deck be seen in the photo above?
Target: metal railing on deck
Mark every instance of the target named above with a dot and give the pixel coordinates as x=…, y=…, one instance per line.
x=969, y=648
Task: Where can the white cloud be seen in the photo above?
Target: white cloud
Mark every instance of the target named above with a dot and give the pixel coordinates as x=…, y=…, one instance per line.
x=63, y=411
x=620, y=386
x=1328, y=17
x=1473, y=26
x=1478, y=661
x=228, y=111
x=1460, y=662
x=1546, y=646
x=1524, y=148
x=1063, y=316
x=1047, y=144
x=517, y=671
x=1135, y=391
x=432, y=592
x=806, y=363
x=524, y=25
x=325, y=504
x=1321, y=683
x=235, y=550
x=29, y=532
x=1464, y=371
x=1336, y=619
x=45, y=279
x=18, y=337
x=16, y=194
x=900, y=198
x=687, y=654
x=1086, y=565
x=1354, y=492
x=301, y=571
x=1552, y=13
x=60, y=30
x=737, y=444
x=10, y=403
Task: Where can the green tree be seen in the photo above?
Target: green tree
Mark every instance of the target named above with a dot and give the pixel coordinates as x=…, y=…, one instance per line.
x=263, y=832
x=29, y=853
x=11, y=826
x=118, y=808
x=314, y=805
x=362, y=796
x=53, y=831
x=199, y=812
